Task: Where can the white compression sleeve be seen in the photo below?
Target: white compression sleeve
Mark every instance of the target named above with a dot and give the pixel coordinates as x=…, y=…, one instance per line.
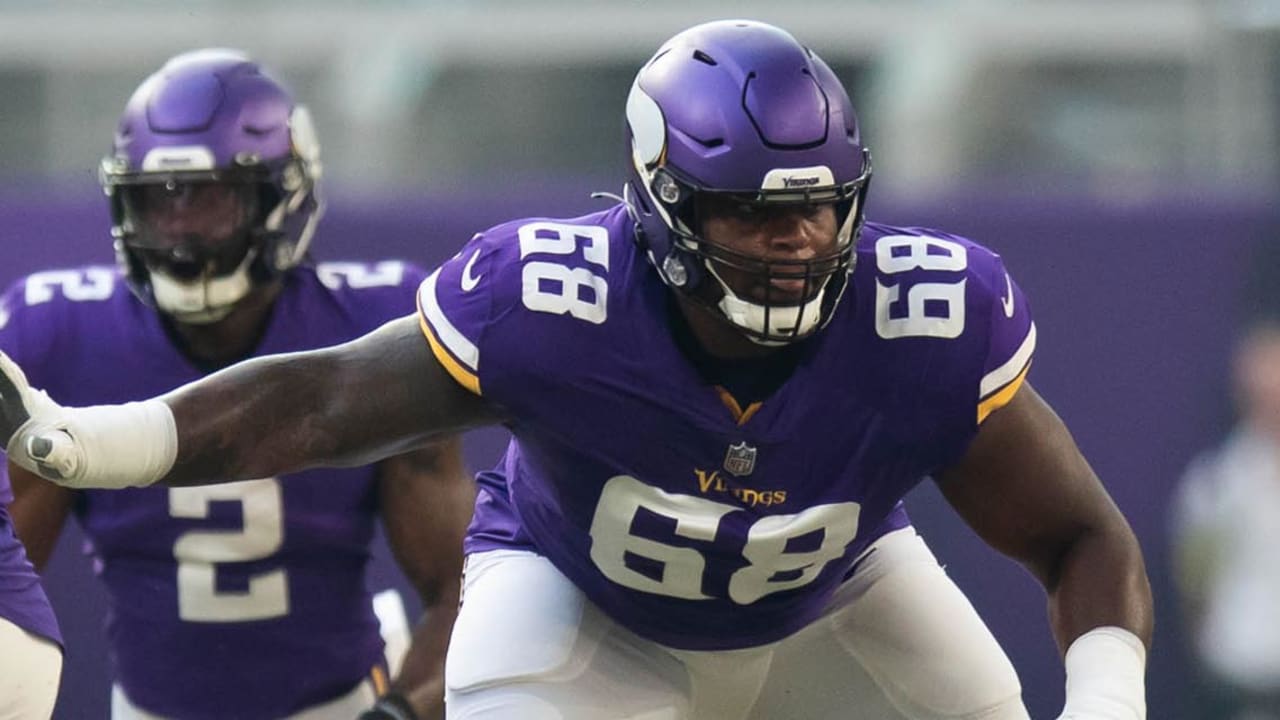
x=1106, y=670
x=104, y=446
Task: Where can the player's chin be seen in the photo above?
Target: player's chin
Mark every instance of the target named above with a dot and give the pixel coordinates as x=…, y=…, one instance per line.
x=783, y=293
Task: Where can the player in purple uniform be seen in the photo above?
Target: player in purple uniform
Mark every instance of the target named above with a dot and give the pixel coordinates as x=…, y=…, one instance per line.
x=719, y=391
x=31, y=661
x=241, y=600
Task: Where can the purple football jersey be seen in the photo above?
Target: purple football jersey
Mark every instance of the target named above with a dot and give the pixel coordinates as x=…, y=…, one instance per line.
x=22, y=599
x=243, y=600
x=690, y=520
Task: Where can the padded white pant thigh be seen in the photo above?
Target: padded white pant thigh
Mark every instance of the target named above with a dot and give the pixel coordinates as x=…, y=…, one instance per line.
x=30, y=670
x=899, y=634
x=921, y=640
x=813, y=677
x=528, y=646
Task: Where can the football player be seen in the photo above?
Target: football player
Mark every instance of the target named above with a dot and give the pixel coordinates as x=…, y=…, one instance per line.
x=31, y=664
x=719, y=389
x=248, y=599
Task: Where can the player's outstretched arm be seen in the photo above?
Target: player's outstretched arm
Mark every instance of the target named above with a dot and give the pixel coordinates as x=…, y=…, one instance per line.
x=350, y=404
x=425, y=499
x=1026, y=489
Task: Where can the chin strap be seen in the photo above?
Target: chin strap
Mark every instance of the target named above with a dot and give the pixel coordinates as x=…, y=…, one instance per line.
x=770, y=322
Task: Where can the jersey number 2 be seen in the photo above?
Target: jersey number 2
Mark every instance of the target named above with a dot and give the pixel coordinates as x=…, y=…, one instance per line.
x=199, y=551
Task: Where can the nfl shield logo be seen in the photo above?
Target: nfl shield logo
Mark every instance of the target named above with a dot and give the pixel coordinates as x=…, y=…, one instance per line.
x=741, y=459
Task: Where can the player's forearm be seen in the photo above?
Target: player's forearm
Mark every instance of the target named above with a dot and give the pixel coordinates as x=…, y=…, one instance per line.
x=261, y=418
x=350, y=404
x=1100, y=607
x=1100, y=580
x=346, y=405
x=257, y=419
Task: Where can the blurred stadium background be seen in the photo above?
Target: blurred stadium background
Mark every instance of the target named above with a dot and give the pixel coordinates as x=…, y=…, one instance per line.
x=1122, y=155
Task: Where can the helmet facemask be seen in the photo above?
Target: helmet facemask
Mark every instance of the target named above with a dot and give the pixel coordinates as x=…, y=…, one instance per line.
x=212, y=184
x=740, y=110
x=707, y=272
x=197, y=239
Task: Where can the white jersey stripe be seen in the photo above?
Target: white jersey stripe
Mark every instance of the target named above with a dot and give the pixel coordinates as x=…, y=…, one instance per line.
x=1005, y=374
x=458, y=345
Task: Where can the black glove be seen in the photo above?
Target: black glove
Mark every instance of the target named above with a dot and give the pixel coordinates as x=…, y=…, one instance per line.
x=13, y=406
x=392, y=706
x=19, y=402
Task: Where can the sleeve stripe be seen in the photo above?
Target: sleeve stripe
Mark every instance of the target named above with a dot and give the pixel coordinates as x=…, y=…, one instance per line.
x=1002, y=398
x=433, y=321
x=1011, y=369
x=466, y=379
x=463, y=349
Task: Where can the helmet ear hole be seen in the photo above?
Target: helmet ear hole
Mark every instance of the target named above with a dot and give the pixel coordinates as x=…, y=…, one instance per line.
x=666, y=188
x=682, y=270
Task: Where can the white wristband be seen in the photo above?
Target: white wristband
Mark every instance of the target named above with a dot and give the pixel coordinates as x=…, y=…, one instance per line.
x=1106, y=670
x=104, y=446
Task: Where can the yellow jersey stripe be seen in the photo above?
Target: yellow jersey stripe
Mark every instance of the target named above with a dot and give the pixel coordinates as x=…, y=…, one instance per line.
x=459, y=345
x=1002, y=396
x=730, y=402
x=378, y=677
x=465, y=378
x=740, y=415
x=751, y=410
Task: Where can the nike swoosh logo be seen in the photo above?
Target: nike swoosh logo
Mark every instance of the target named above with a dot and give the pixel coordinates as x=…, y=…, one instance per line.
x=1006, y=301
x=470, y=281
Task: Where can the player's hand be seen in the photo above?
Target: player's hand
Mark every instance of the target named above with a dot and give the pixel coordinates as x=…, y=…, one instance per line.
x=24, y=431
x=391, y=706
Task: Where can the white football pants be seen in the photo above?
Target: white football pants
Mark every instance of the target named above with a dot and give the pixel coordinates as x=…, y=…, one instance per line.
x=30, y=669
x=898, y=640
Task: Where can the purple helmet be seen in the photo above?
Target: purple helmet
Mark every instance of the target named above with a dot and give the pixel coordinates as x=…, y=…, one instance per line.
x=212, y=136
x=741, y=108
